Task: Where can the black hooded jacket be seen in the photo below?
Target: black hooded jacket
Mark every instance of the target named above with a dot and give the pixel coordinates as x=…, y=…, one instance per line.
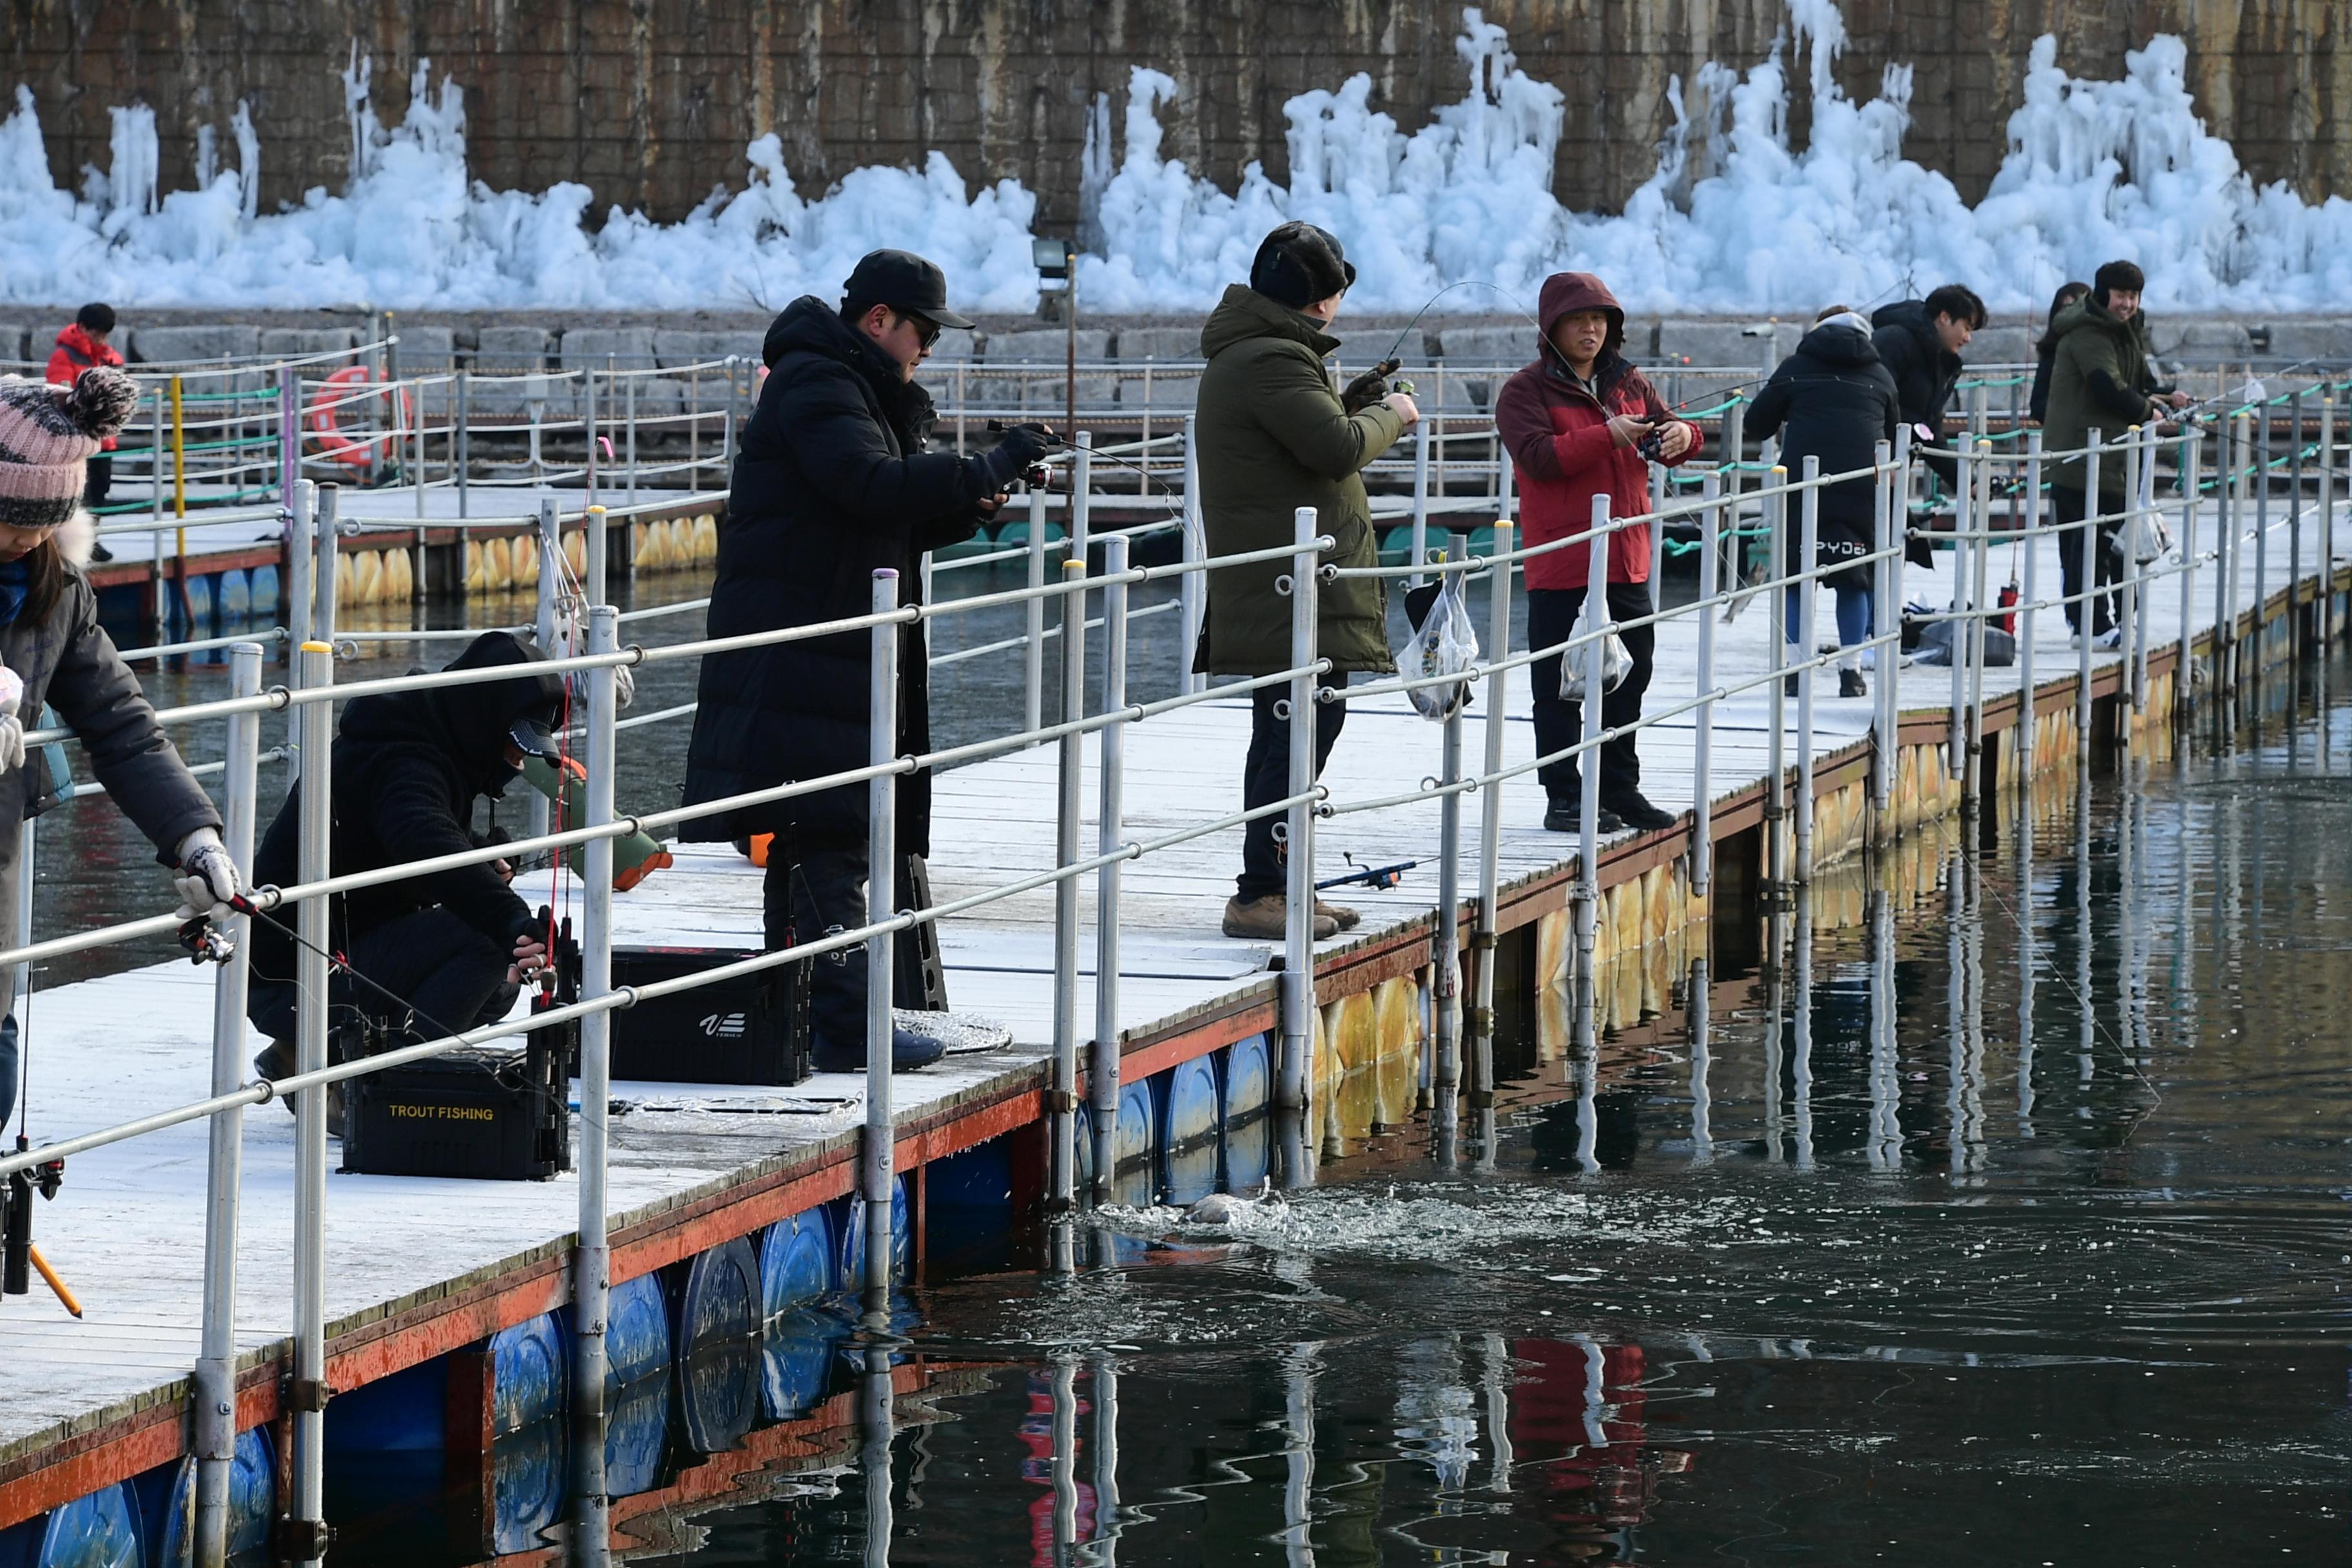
x=408, y=767
x=1925, y=371
x=832, y=484
x=1837, y=402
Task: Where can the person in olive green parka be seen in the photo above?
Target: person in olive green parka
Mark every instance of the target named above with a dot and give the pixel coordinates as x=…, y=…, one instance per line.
x=1274, y=435
x=2101, y=378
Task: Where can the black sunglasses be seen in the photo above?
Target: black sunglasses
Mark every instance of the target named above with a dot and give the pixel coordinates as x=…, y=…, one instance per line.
x=929, y=330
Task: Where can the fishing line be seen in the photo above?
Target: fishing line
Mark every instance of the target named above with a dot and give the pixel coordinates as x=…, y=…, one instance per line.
x=1509, y=297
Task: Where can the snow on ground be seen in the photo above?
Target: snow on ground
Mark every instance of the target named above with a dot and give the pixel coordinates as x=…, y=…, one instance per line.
x=1735, y=218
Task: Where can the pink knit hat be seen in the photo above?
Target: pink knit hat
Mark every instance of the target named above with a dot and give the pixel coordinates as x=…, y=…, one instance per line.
x=46, y=435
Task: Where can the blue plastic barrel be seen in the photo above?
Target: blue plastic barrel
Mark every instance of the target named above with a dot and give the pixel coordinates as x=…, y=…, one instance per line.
x=235, y=594
x=1189, y=1104
x=719, y=1393
x=1249, y=1152
x=636, y=1436
x=1138, y=1127
x=406, y=1413
x=100, y=1530
x=851, y=1213
x=167, y=1502
x=265, y=591
x=1249, y=1066
x=199, y=606
x=795, y=1261
x=636, y=1333
x=527, y=1485
x=528, y=1382
x=797, y=1354
x=968, y=1210
x=715, y=1295
x=1083, y=1138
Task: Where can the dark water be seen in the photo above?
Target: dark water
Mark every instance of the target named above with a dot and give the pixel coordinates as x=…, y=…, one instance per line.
x=2007, y=1225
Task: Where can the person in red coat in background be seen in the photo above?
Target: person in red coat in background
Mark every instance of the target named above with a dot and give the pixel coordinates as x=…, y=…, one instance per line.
x=79, y=346
x=1574, y=422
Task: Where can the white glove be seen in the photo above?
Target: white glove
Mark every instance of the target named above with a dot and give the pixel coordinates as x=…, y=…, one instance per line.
x=207, y=879
x=12, y=729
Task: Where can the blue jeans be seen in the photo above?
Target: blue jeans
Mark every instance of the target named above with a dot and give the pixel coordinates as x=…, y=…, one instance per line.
x=1853, y=617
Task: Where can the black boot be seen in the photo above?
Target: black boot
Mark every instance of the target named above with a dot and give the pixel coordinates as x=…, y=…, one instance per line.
x=1568, y=817
x=828, y=895
x=1634, y=810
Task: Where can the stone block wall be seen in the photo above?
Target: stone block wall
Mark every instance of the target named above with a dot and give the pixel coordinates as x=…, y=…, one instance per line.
x=651, y=102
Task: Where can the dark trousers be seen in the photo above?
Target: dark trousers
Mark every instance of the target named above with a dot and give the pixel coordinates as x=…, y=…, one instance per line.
x=2072, y=506
x=824, y=892
x=97, y=479
x=1266, y=778
x=447, y=976
x=8, y=1067
x=1552, y=614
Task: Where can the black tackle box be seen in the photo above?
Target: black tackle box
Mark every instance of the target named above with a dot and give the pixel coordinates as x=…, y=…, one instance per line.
x=501, y=1115
x=753, y=1028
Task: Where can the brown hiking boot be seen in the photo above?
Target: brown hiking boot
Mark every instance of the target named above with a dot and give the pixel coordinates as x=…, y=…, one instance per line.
x=1339, y=915
x=1262, y=919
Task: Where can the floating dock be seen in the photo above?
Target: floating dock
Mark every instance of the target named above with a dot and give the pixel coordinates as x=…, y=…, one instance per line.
x=729, y=1205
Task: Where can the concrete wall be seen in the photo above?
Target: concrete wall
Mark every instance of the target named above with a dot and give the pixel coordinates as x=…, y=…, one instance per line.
x=652, y=101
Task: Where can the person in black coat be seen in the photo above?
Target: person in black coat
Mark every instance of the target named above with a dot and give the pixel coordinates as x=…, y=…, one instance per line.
x=2046, y=351
x=1920, y=342
x=454, y=947
x=1836, y=402
x=833, y=483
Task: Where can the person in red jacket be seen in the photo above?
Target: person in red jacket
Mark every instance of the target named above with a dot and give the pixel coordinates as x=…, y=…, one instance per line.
x=79, y=346
x=1574, y=422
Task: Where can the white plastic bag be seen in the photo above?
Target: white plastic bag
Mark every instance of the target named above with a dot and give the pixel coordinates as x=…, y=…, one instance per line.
x=1616, y=664
x=1445, y=643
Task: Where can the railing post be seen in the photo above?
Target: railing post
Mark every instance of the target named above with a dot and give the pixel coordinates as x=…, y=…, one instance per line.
x=2262, y=535
x=2028, y=593
x=214, y=1399
x=301, y=565
x=629, y=433
x=1487, y=934
x=1102, y=1080
x=1735, y=451
x=1033, y=657
x=1710, y=526
x=2144, y=488
x=591, y=1263
x=595, y=554
x=1886, y=502
x=1598, y=624
x=289, y=432
x=875, y=1151
x=2192, y=449
x=1446, y=930
x=1070, y=773
x=1808, y=527
x=728, y=437
x=1191, y=588
x=2295, y=524
x=326, y=521
x=1082, y=499
x=1299, y=843
x=538, y=810
x=2087, y=577
x=1980, y=597
x=1420, y=504
x=307, y=1393
x=465, y=445
x=1776, y=741
x=1966, y=520
x=2326, y=520
x=2225, y=609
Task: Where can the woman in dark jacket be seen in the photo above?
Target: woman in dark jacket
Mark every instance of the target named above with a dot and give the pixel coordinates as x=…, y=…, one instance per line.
x=56, y=654
x=2045, y=352
x=1837, y=403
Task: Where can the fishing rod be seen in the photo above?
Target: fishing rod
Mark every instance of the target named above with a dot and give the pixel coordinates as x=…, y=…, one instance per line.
x=1378, y=878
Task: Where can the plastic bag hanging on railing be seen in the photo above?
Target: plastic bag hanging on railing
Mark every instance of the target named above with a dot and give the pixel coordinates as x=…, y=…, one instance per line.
x=1444, y=643
x=1616, y=664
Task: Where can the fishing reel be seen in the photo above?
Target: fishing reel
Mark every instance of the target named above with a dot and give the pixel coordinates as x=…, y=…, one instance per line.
x=1373, y=386
x=205, y=944
x=1038, y=476
x=16, y=1220
x=1379, y=878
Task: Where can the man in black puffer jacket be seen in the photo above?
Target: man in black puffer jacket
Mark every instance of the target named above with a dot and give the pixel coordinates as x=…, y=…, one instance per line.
x=408, y=769
x=1838, y=402
x=1920, y=342
x=833, y=484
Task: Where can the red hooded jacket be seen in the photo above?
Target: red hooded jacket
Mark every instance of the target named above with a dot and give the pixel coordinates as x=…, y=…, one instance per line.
x=1558, y=434
x=76, y=351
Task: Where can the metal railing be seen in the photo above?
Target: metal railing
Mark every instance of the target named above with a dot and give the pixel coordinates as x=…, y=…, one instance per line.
x=1791, y=665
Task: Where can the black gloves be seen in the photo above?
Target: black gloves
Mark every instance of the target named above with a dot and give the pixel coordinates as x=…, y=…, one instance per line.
x=1012, y=455
x=1368, y=388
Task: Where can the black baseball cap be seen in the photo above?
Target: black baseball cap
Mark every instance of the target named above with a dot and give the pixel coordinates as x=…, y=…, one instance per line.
x=904, y=281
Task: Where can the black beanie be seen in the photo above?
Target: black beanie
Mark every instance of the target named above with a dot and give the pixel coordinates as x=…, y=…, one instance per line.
x=1299, y=264
x=2122, y=275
